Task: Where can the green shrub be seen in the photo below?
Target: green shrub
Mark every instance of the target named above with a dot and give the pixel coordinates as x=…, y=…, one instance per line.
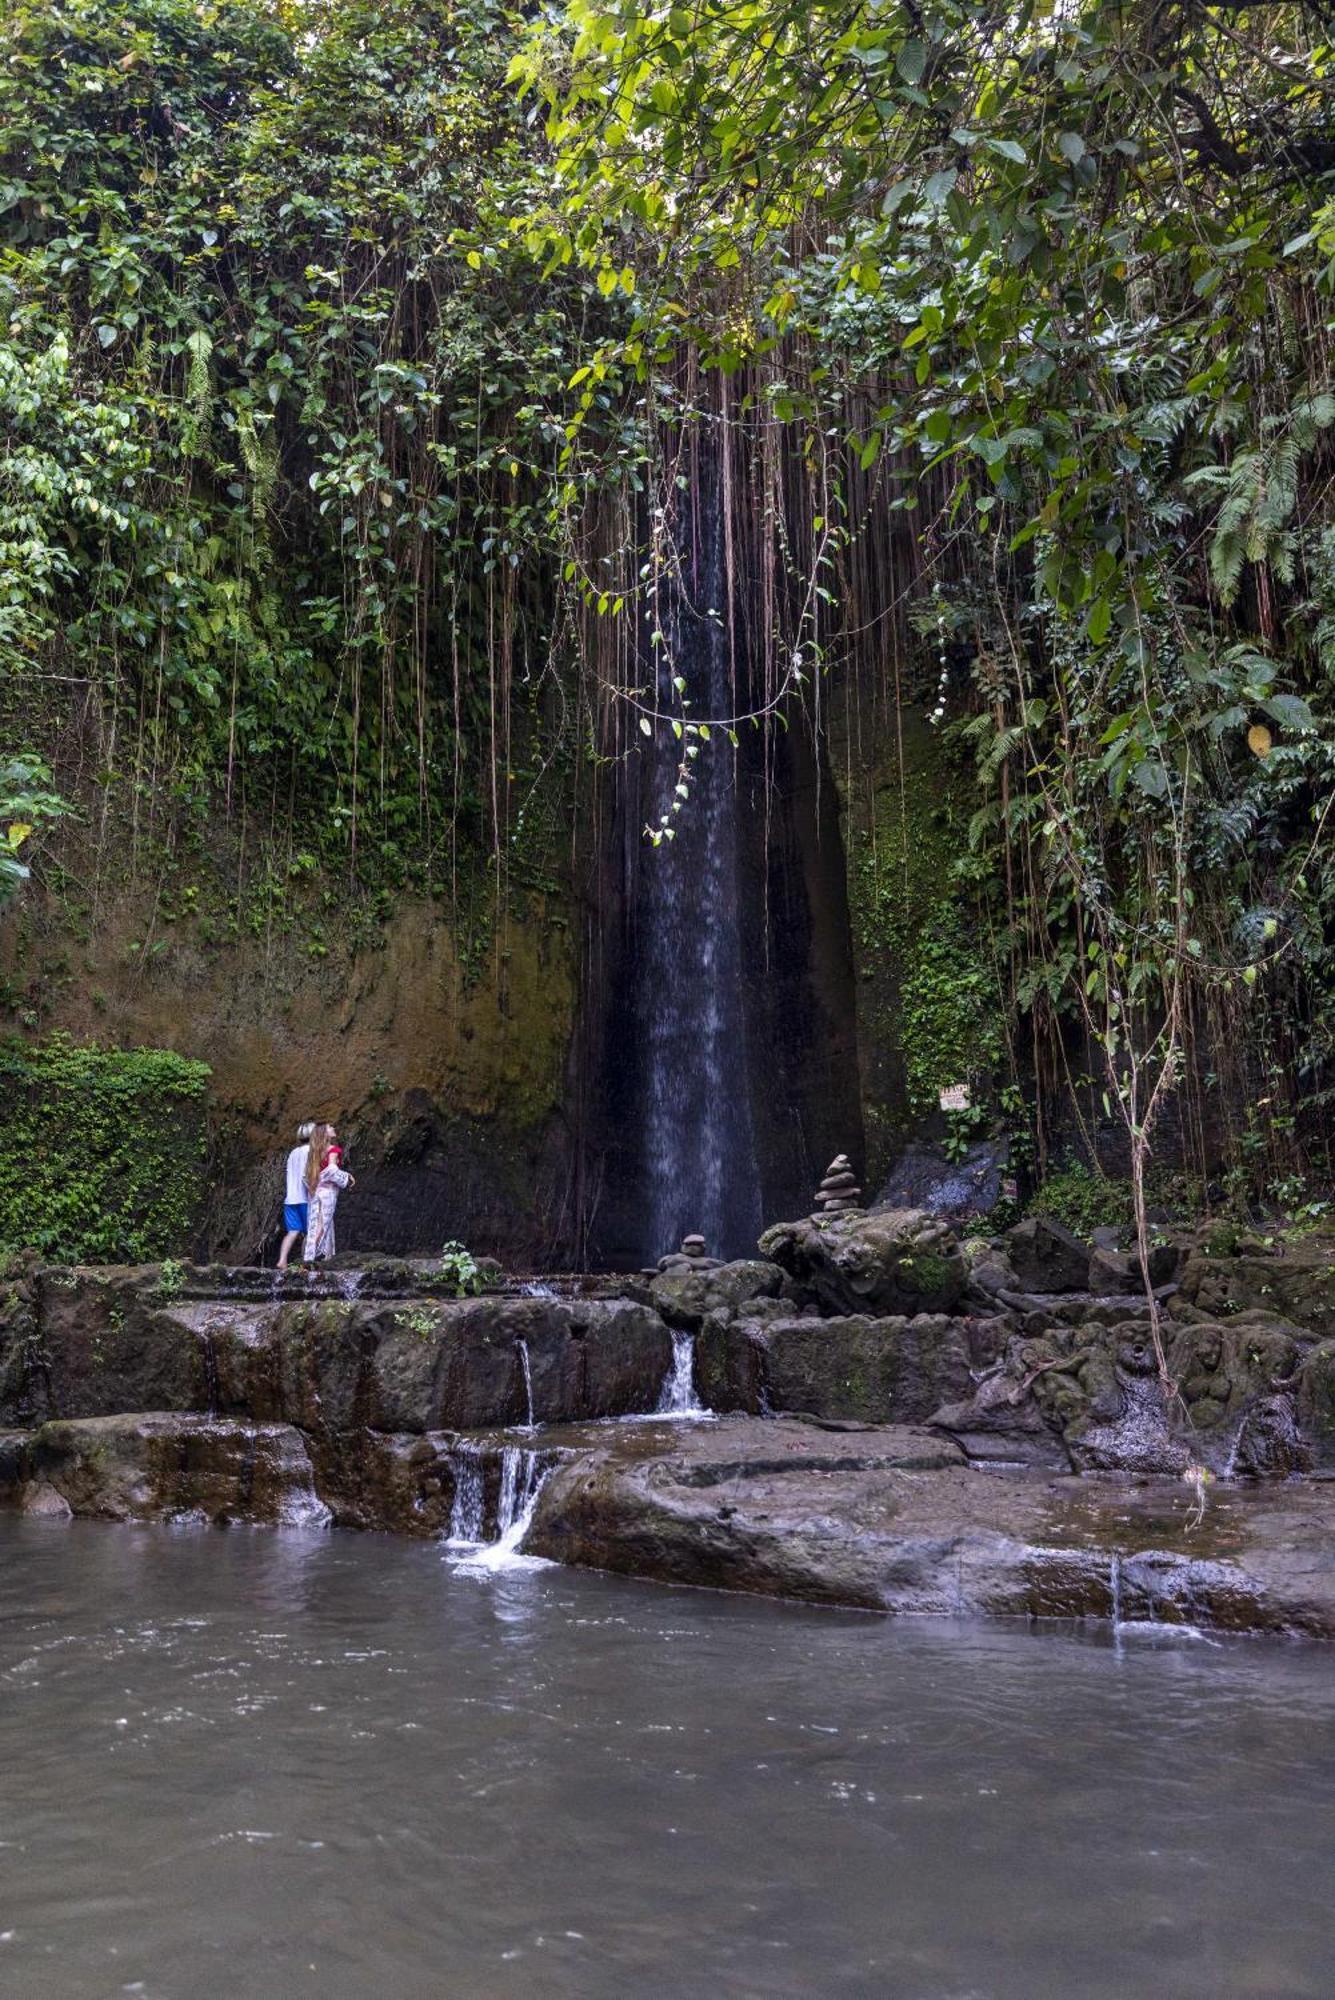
x=1083, y=1200
x=101, y=1151
x=459, y=1269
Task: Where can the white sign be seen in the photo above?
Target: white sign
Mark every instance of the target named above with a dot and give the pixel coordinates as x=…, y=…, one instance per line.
x=955, y=1097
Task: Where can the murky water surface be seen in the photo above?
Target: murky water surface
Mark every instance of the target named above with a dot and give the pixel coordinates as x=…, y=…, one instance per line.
x=266, y=1764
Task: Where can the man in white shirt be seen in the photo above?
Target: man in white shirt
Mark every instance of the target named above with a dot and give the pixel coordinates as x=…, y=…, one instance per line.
x=294, y=1200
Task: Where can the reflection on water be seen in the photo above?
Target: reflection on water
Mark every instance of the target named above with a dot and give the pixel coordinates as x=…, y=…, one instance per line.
x=267, y=1764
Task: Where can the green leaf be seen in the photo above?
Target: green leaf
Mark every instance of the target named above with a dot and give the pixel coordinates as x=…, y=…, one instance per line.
x=912, y=60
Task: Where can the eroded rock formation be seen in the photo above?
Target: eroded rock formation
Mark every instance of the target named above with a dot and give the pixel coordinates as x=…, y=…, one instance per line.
x=981, y=1433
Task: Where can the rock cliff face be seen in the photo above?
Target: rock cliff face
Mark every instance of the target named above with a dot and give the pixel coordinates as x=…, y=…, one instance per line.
x=449, y=1075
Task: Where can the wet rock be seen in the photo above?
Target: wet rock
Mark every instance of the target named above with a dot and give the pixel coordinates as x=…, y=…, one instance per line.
x=878, y=1371
x=731, y=1364
x=1315, y=1396
x=924, y=1178
x=459, y=1366
x=1295, y=1282
x=1268, y=1444
x=685, y=1298
x=888, y=1261
x=87, y=1346
x=169, y=1467
x=1223, y=1369
x=1002, y=1423
x=335, y=1366
x=1094, y=1390
x=1046, y=1256
x=1121, y=1271
x=885, y=1520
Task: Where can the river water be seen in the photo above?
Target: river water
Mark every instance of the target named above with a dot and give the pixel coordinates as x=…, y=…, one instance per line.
x=266, y=1764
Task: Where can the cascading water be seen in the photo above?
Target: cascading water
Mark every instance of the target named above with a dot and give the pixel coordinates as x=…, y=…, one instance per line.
x=466, y=1514
x=699, y=1151
x=523, y=1474
x=529, y=1424
x=678, y=1398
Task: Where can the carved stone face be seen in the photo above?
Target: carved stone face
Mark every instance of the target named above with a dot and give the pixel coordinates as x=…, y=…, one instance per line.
x=1208, y=1351
x=1135, y=1353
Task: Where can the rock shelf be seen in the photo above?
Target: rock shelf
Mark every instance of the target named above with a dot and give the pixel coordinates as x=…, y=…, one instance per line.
x=901, y=1421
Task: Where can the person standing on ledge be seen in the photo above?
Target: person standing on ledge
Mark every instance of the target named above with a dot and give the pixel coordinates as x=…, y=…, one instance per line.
x=294, y=1195
x=325, y=1177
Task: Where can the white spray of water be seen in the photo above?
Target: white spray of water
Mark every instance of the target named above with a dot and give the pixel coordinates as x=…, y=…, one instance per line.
x=678, y=1397
x=523, y=1475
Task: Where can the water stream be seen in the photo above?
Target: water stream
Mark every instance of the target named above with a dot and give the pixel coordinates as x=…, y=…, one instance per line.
x=527, y=1372
x=679, y=1398
x=700, y=1164
x=522, y=1473
x=240, y=1764
x=522, y=1476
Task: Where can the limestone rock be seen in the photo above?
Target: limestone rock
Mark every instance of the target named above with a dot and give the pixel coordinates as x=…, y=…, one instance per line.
x=886, y=1261
x=1120, y=1271
x=1046, y=1256
x=161, y=1467
x=874, y=1371
x=1316, y=1403
x=924, y=1178
x=685, y=1298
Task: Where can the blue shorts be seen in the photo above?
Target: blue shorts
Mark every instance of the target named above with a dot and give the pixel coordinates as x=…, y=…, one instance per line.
x=294, y=1215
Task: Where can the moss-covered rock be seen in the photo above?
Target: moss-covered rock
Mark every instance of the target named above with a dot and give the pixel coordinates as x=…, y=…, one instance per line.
x=873, y=1371
x=101, y=1150
x=686, y=1298
x=885, y=1261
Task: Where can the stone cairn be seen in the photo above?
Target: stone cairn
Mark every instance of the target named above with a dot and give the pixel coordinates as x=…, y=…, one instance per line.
x=690, y=1257
x=839, y=1190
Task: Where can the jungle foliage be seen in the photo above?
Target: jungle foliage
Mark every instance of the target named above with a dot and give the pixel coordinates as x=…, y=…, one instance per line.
x=275, y=552
x=346, y=359
x=1054, y=286
x=101, y=1151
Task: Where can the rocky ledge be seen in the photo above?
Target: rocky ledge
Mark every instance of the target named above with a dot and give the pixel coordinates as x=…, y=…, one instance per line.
x=895, y=1519
x=904, y=1418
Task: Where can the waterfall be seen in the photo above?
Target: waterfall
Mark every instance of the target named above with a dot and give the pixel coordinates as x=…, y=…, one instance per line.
x=209, y=1355
x=523, y=1475
x=698, y=1140
x=529, y=1424
x=466, y=1514
x=1115, y=1592
x=678, y=1398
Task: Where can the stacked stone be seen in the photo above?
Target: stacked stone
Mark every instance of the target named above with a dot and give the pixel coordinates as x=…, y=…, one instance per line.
x=690, y=1257
x=839, y=1190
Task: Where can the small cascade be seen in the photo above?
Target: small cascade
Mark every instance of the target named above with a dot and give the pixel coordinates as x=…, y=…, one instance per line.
x=523, y=1475
x=209, y=1356
x=535, y=1288
x=1115, y=1592
x=349, y=1283
x=678, y=1397
x=467, y=1512
x=529, y=1422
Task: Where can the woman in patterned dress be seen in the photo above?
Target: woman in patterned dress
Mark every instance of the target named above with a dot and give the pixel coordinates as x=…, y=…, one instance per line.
x=325, y=1178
